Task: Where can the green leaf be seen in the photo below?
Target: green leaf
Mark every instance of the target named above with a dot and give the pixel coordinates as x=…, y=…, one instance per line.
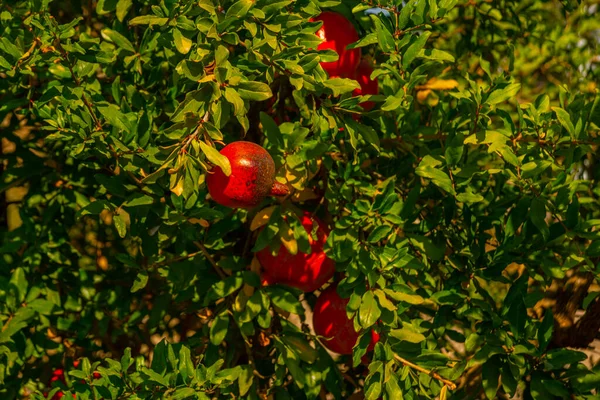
x=182, y=43
x=138, y=199
x=384, y=36
x=558, y=358
x=408, y=298
x=141, y=280
x=256, y=91
x=379, y=233
x=118, y=39
x=115, y=117
x=438, y=177
x=565, y=120
x=538, y=216
x=236, y=101
x=501, y=95
x=154, y=376
x=407, y=334
x=284, y=300
x=545, y=330
x=369, y=311
x=414, y=49
x=18, y=281
x=490, y=372
x=216, y=158
x=271, y=129
x=239, y=9
x=245, y=379
x=469, y=197
x=123, y=7
x=120, y=225
x=148, y=20
x=219, y=327
x=534, y=168
x=341, y=85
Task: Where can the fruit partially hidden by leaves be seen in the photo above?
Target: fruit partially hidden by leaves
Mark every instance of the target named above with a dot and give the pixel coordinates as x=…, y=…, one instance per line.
x=332, y=323
x=337, y=33
x=252, y=177
x=307, y=272
x=367, y=85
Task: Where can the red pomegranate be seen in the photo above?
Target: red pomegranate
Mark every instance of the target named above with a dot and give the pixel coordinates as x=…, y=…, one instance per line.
x=367, y=85
x=307, y=272
x=331, y=322
x=337, y=33
x=252, y=177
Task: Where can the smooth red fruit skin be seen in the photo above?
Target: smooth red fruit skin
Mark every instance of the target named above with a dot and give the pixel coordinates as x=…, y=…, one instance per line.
x=367, y=85
x=337, y=33
x=331, y=322
x=251, y=179
x=307, y=272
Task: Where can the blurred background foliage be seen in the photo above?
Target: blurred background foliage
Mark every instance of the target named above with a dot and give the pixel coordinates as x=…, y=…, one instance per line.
x=467, y=199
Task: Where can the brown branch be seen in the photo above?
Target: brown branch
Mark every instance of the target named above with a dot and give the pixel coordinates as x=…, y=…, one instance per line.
x=451, y=385
x=210, y=259
x=174, y=260
x=569, y=298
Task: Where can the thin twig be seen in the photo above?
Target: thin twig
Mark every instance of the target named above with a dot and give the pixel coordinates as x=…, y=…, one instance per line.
x=210, y=259
x=451, y=385
x=174, y=260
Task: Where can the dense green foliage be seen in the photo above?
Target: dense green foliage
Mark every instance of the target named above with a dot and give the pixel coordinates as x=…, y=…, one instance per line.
x=464, y=207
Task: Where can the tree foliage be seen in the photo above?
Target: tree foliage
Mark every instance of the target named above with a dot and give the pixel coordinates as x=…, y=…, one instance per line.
x=464, y=206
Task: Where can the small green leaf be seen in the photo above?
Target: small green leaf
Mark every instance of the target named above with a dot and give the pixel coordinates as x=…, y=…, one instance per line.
x=341, y=85
x=413, y=50
x=501, y=95
x=384, y=36
x=118, y=39
x=123, y=7
x=545, y=330
x=148, y=20
x=120, y=225
x=565, y=120
x=239, y=9
x=138, y=199
x=219, y=327
x=141, y=280
x=182, y=43
x=438, y=177
x=216, y=158
x=407, y=334
x=369, y=311
x=257, y=91
x=284, y=300
x=379, y=233
x=490, y=373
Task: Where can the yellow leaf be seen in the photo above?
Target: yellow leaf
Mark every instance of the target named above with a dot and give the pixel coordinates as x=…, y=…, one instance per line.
x=178, y=187
x=444, y=393
x=428, y=97
x=16, y=194
x=295, y=178
x=262, y=217
x=182, y=43
x=13, y=220
x=422, y=95
x=255, y=265
x=241, y=300
x=288, y=240
x=202, y=222
x=439, y=84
